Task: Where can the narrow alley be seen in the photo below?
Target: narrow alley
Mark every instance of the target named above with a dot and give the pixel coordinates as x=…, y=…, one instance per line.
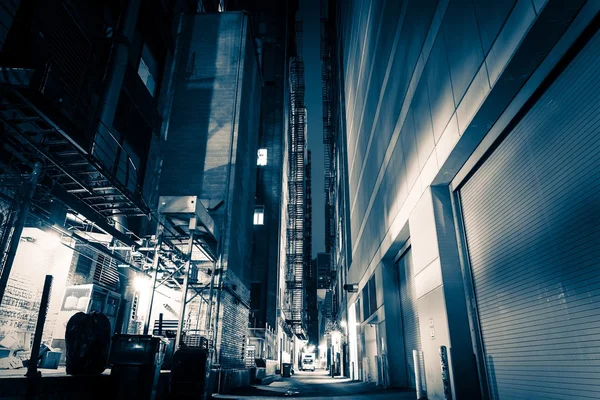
x=320, y=199
x=318, y=385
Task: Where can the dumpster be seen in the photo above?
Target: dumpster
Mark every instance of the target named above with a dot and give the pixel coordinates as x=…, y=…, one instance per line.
x=136, y=361
x=287, y=370
x=188, y=373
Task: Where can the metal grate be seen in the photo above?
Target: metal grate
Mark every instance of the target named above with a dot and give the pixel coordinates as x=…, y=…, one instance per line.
x=530, y=215
x=106, y=272
x=70, y=51
x=410, y=316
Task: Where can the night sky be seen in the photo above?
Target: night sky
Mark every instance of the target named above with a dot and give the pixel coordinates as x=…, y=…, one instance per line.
x=310, y=13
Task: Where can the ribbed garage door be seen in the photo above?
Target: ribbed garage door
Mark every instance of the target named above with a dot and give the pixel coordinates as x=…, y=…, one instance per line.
x=410, y=317
x=532, y=220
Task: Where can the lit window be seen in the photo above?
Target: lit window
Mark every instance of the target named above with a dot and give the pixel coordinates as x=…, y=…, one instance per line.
x=259, y=215
x=262, y=157
x=148, y=70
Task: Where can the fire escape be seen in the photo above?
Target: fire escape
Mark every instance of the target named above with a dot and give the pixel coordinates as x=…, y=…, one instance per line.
x=46, y=117
x=296, y=186
x=90, y=184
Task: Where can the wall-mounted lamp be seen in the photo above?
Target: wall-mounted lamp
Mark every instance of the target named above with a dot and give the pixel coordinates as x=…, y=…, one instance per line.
x=351, y=287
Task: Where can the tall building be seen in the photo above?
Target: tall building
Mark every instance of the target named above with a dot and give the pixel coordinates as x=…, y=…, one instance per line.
x=464, y=141
x=273, y=27
x=84, y=92
x=323, y=267
x=210, y=154
x=313, y=305
x=310, y=271
x=163, y=171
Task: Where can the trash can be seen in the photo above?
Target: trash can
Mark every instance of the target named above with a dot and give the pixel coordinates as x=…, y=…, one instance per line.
x=287, y=370
x=136, y=361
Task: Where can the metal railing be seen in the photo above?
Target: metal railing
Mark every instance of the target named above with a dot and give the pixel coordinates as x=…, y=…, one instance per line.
x=105, y=151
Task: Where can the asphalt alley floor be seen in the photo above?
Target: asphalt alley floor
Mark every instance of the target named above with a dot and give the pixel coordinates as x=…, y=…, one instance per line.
x=318, y=385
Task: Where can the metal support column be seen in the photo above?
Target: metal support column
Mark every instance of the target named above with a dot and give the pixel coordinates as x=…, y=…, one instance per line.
x=24, y=199
x=156, y=266
x=215, y=270
x=186, y=276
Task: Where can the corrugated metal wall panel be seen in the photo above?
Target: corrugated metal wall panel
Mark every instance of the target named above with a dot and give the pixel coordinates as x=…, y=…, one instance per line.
x=410, y=317
x=531, y=215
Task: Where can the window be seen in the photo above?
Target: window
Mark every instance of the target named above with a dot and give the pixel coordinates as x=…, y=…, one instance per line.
x=262, y=157
x=148, y=69
x=259, y=215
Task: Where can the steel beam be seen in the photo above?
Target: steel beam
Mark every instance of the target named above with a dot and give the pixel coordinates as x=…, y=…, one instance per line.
x=24, y=200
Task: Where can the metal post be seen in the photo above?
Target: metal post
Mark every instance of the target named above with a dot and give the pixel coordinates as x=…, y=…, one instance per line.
x=216, y=317
x=39, y=329
x=445, y=373
x=421, y=391
x=156, y=266
x=211, y=293
x=209, y=358
x=24, y=199
x=184, y=288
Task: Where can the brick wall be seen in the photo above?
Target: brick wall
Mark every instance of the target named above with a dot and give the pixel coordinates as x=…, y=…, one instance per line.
x=233, y=333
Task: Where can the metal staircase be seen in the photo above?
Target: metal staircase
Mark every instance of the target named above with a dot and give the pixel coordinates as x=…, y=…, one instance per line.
x=296, y=233
x=102, y=176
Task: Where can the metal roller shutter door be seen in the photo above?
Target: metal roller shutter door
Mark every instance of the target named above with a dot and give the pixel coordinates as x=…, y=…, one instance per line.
x=532, y=221
x=410, y=317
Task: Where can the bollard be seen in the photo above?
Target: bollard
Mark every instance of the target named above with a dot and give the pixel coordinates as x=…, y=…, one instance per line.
x=419, y=378
x=445, y=373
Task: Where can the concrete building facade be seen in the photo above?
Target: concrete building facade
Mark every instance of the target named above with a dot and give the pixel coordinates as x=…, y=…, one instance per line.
x=467, y=138
x=271, y=21
x=210, y=153
x=200, y=111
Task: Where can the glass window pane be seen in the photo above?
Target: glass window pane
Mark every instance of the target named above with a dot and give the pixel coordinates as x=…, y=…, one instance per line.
x=262, y=157
x=259, y=215
x=148, y=70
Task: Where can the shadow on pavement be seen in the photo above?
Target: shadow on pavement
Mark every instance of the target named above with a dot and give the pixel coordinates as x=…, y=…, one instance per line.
x=315, y=386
